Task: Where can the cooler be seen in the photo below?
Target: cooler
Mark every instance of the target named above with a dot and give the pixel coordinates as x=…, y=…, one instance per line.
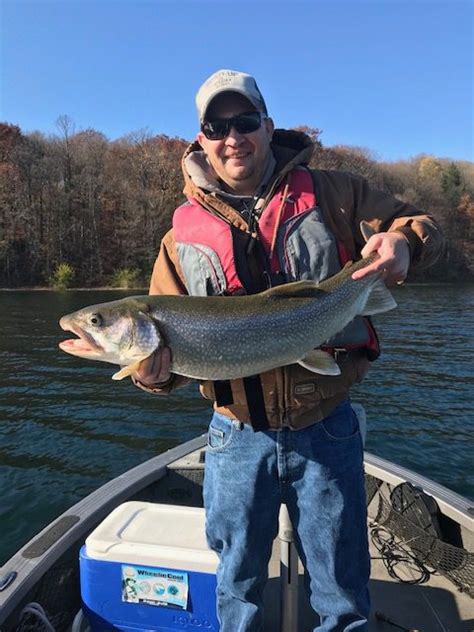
x=147, y=567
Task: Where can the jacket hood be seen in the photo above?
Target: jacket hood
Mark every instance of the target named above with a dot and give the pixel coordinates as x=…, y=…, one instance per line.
x=289, y=147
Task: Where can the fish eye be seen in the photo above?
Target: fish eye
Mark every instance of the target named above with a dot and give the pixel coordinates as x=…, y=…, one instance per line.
x=96, y=319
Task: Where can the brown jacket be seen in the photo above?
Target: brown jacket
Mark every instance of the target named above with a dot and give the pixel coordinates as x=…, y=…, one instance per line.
x=293, y=396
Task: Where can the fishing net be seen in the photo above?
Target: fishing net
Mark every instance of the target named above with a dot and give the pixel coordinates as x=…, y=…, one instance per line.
x=411, y=521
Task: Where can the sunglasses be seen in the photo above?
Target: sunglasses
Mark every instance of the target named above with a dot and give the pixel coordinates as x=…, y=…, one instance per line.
x=245, y=123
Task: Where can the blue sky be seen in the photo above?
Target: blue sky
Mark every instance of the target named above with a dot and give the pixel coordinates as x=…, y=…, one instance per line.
x=392, y=76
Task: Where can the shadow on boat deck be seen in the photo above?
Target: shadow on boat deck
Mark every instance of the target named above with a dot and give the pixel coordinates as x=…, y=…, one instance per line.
x=420, y=608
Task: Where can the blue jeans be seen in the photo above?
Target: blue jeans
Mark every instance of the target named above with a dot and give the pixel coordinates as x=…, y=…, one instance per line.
x=318, y=473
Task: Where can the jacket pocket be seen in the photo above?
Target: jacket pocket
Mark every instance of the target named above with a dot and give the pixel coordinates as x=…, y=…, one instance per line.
x=202, y=269
x=306, y=248
x=306, y=389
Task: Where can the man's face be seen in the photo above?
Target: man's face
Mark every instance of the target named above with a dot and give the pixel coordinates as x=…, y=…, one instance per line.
x=239, y=160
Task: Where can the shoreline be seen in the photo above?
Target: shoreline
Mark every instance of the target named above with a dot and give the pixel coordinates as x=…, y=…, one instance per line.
x=145, y=289
x=71, y=289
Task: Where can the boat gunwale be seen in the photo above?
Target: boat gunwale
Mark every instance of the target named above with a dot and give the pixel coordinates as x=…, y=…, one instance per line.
x=89, y=510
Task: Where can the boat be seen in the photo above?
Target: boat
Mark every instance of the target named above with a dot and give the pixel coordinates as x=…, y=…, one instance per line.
x=421, y=537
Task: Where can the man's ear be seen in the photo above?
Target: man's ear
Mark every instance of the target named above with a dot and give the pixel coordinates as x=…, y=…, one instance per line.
x=270, y=127
x=201, y=139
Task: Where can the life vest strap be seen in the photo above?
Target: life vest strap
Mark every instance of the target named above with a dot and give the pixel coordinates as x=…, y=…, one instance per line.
x=223, y=393
x=256, y=403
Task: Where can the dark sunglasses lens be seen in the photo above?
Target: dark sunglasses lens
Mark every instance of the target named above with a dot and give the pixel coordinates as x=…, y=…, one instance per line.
x=215, y=130
x=247, y=123
x=243, y=123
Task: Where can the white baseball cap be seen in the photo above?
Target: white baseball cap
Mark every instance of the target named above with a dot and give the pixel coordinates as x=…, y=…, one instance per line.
x=229, y=81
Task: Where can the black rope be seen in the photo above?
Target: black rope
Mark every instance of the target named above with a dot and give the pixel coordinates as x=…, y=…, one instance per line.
x=394, y=553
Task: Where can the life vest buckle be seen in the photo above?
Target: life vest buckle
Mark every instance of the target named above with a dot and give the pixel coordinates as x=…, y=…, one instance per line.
x=340, y=354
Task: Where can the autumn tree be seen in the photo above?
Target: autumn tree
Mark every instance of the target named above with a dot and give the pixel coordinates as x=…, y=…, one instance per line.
x=76, y=199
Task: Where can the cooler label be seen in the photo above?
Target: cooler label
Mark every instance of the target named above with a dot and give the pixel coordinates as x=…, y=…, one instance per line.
x=155, y=586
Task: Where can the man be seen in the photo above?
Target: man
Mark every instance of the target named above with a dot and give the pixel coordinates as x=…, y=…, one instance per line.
x=256, y=217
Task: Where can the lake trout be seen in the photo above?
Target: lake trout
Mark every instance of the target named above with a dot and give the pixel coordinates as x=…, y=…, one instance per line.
x=227, y=337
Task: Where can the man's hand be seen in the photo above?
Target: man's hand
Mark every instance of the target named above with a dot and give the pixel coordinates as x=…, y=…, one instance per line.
x=155, y=368
x=394, y=257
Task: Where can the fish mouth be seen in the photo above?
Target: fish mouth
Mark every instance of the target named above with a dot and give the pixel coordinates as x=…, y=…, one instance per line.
x=83, y=345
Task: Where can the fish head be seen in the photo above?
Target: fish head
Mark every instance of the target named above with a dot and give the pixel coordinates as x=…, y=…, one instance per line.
x=120, y=332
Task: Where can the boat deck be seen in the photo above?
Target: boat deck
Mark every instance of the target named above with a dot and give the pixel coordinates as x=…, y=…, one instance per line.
x=434, y=606
x=46, y=567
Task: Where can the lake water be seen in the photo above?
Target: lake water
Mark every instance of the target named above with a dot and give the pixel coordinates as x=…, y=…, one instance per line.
x=67, y=428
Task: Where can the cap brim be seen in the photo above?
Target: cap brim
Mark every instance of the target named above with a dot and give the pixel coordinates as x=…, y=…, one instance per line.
x=256, y=105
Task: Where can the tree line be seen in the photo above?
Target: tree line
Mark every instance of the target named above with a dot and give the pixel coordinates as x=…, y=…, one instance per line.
x=102, y=206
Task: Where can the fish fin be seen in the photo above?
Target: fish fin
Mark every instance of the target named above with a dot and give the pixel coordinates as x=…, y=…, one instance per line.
x=126, y=370
x=379, y=300
x=319, y=361
x=366, y=230
x=296, y=289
